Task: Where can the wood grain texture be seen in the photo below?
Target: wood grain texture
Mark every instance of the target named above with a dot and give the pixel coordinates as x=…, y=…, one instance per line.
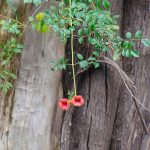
x=31, y=120
x=90, y=127
x=128, y=133
x=36, y=94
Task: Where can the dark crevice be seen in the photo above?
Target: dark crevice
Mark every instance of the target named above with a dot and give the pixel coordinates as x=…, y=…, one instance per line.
x=88, y=136
x=123, y=17
x=61, y=129
x=106, y=86
x=43, y=54
x=115, y=118
x=89, y=89
x=12, y=106
x=8, y=105
x=145, y=11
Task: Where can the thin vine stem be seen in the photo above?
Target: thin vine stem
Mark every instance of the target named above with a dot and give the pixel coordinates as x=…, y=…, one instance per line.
x=72, y=53
x=73, y=68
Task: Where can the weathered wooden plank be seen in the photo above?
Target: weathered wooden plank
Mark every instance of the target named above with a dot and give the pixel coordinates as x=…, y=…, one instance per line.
x=90, y=127
x=36, y=93
x=128, y=130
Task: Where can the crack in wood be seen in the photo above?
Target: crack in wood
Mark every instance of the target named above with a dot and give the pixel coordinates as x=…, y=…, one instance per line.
x=88, y=136
x=106, y=86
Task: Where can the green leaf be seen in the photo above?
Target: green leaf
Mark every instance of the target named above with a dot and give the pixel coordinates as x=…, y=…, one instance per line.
x=130, y=53
x=76, y=23
x=126, y=53
x=70, y=94
x=96, y=53
x=31, y=18
x=27, y=1
x=86, y=30
x=72, y=28
x=36, y=2
x=116, y=55
x=1, y=85
x=98, y=3
x=92, y=27
x=138, y=35
x=106, y=4
x=80, y=40
x=83, y=64
x=115, y=27
x=127, y=45
x=80, y=57
x=80, y=32
x=91, y=58
x=146, y=42
x=59, y=65
x=13, y=76
x=88, y=18
x=93, y=41
x=96, y=64
x=135, y=53
x=42, y=27
x=6, y=72
x=61, y=4
x=5, y=62
x=62, y=22
x=8, y=85
x=128, y=35
x=4, y=90
x=53, y=8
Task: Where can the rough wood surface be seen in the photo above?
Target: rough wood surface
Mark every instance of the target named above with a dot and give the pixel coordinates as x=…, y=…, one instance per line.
x=31, y=107
x=31, y=120
x=35, y=95
x=90, y=127
x=128, y=133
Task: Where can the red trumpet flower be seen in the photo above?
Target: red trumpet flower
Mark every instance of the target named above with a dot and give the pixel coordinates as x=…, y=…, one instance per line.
x=77, y=100
x=64, y=104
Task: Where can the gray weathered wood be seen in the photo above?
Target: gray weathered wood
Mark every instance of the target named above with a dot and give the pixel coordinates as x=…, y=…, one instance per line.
x=27, y=124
